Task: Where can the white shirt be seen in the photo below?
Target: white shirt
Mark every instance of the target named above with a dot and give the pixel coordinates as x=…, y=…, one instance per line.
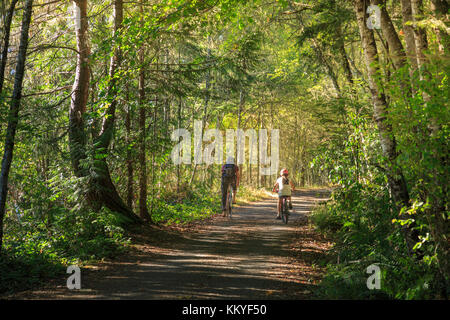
x=283, y=189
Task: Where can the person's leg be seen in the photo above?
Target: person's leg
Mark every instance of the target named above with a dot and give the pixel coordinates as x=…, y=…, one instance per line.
x=279, y=207
x=233, y=186
x=224, y=187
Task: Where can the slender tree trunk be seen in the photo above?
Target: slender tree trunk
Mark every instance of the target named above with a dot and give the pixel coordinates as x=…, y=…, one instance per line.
x=395, y=177
x=420, y=35
x=3, y=11
x=395, y=49
x=345, y=62
x=395, y=46
x=408, y=30
x=143, y=210
x=80, y=91
x=440, y=9
x=165, y=118
x=154, y=137
x=106, y=133
x=180, y=105
x=421, y=41
x=439, y=203
x=259, y=163
x=241, y=103
x=130, y=169
x=378, y=98
x=13, y=118
x=6, y=38
x=410, y=43
x=205, y=110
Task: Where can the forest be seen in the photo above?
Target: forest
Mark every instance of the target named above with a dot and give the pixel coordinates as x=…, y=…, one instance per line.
x=351, y=95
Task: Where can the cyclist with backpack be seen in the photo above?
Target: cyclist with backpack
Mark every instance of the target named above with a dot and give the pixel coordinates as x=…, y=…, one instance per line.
x=230, y=175
x=284, y=187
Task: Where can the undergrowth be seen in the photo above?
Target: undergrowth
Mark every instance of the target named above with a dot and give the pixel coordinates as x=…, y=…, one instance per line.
x=41, y=241
x=359, y=221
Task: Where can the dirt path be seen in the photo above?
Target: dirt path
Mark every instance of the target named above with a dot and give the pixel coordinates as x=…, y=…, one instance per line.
x=252, y=256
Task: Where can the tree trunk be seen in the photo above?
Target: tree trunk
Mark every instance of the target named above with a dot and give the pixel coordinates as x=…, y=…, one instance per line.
x=180, y=105
x=440, y=9
x=439, y=203
x=143, y=210
x=408, y=30
x=395, y=177
x=130, y=169
x=241, y=103
x=410, y=43
x=395, y=46
x=101, y=190
x=80, y=92
x=6, y=36
x=13, y=118
x=421, y=41
x=205, y=110
x=420, y=35
x=345, y=62
x=106, y=133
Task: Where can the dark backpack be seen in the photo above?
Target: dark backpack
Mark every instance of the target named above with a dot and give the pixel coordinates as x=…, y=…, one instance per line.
x=229, y=172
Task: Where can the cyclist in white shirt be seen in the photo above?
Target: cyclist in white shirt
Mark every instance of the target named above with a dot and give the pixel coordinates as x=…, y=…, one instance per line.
x=284, y=187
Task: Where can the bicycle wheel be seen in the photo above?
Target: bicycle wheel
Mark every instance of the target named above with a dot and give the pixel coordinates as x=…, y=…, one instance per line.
x=285, y=212
x=230, y=201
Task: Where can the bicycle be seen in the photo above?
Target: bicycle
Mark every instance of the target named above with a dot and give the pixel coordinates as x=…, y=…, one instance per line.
x=284, y=209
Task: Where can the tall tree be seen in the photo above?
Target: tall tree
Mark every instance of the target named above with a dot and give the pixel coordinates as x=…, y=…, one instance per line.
x=80, y=90
x=130, y=162
x=6, y=39
x=102, y=191
x=143, y=210
x=395, y=176
x=410, y=42
x=13, y=119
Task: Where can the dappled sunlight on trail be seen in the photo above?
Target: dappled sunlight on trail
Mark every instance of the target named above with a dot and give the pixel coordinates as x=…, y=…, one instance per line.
x=251, y=256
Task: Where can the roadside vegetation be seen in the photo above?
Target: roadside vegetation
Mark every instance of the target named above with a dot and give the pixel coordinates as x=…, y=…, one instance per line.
x=92, y=93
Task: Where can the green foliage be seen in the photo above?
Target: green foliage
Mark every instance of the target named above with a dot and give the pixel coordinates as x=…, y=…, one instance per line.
x=249, y=194
x=38, y=247
x=26, y=269
x=364, y=235
x=273, y=61
x=198, y=204
x=366, y=225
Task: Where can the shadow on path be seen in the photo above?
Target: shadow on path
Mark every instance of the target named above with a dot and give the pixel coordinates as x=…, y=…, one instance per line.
x=251, y=256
